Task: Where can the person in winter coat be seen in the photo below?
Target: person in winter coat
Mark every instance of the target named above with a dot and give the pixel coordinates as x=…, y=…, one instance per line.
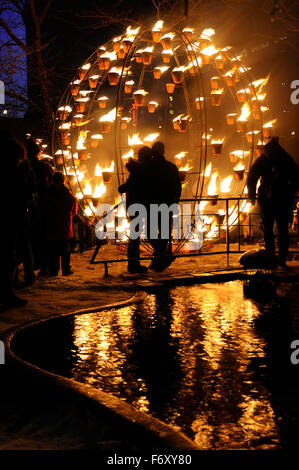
x=136, y=192
x=165, y=189
x=28, y=196
x=13, y=155
x=60, y=208
x=279, y=182
x=44, y=177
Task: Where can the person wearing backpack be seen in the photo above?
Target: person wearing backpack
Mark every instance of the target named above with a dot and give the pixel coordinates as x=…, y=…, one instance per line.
x=279, y=182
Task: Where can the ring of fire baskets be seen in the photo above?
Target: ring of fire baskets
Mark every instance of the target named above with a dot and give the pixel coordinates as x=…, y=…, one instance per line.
x=182, y=88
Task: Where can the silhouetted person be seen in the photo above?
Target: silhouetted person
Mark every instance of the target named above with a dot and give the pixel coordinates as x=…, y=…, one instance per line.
x=279, y=182
x=28, y=197
x=137, y=191
x=165, y=188
x=61, y=206
x=44, y=177
x=11, y=186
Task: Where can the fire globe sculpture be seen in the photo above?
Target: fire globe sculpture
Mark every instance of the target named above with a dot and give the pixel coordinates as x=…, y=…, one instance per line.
x=177, y=86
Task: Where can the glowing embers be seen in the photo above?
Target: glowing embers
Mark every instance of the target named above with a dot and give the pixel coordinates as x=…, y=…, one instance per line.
x=106, y=121
x=239, y=171
x=183, y=172
x=157, y=31
x=180, y=122
x=159, y=70
x=113, y=75
x=217, y=145
x=216, y=96
x=83, y=71
x=242, y=120
x=139, y=96
x=268, y=127
x=152, y=106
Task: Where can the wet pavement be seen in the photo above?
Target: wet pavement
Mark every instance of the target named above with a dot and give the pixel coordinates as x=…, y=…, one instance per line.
x=201, y=358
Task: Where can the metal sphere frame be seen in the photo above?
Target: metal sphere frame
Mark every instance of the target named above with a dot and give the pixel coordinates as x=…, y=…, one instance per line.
x=193, y=85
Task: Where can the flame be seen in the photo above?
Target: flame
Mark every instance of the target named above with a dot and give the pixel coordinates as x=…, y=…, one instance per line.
x=86, y=66
x=188, y=30
x=243, y=91
x=245, y=113
x=182, y=68
x=259, y=97
x=168, y=35
x=239, y=167
x=201, y=99
x=195, y=63
x=129, y=82
x=153, y=103
x=97, y=137
x=109, y=117
x=87, y=191
x=212, y=188
x=116, y=39
x=94, y=77
x=187, y=167
x=81, y=140
x=252, y=132
x=98, y=170
x=208, y=170
x=132, y=32
x=103, y=98
x=245, y=207
x=140, y=92
x=180, y=155
x=110, y=168
x=259, y=84
x=158, y=26
x=167, y=51
x=109, y=55
x=209, y=51
x=240, y=153
x=117, y=70
x=129, y=154
x=65, y=125
x=270, y=123
x=89, y=210
x=84, y=93
x=207, y=33
x=218, y=141
x=82, y=100
x=68, y=109
x=134, y=140
x=99, y=190
x=148, y=49
x=217, y=92
x=178, y=118
x=151, y=137
x=225, y=184
x=162, y=68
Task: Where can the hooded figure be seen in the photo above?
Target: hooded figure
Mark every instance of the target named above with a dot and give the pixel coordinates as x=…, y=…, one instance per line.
x=279, y=176
x=61, y=206
x=137, y=192
x=165, y=189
